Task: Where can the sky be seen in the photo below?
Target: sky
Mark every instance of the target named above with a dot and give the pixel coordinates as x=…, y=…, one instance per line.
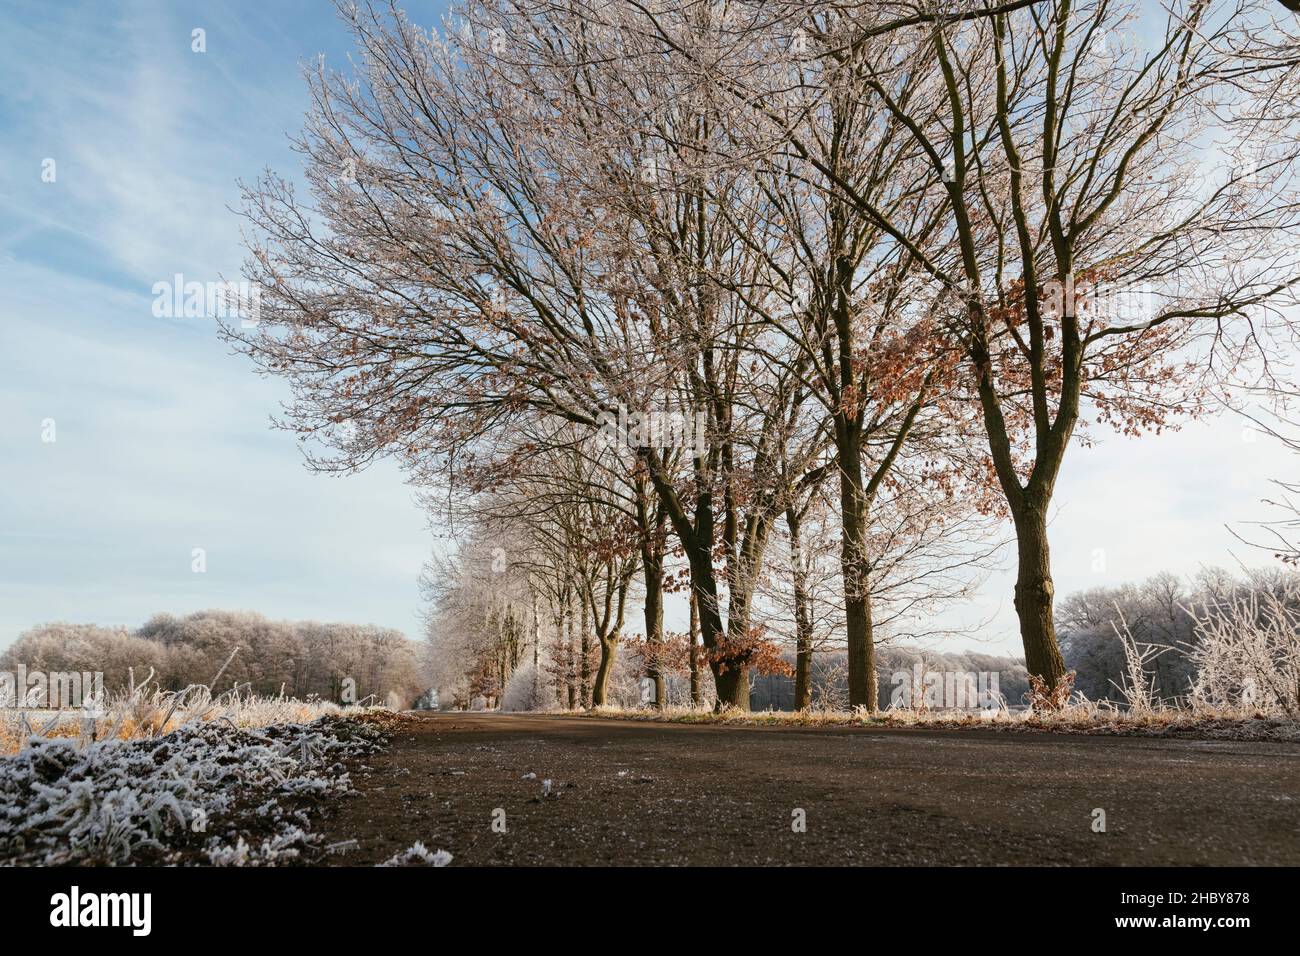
x=161, y=436
x=161, y=439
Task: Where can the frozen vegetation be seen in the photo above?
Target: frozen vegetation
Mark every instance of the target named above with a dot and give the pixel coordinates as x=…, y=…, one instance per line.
x=206, y=793
x=303, y=659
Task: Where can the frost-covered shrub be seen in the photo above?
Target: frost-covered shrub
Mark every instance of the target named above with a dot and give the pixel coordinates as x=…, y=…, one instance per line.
x=1248, y=652
x=195, y=795
x=1220, y=643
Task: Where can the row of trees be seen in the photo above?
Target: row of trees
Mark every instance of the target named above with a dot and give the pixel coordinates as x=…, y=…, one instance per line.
x=486, y=644
x=641, y=289
x=336, y=662
x=555, y=557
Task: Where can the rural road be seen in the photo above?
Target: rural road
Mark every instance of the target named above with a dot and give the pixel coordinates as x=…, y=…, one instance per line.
x=632, y=793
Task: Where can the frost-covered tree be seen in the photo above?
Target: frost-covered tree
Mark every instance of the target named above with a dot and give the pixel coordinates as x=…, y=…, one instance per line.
x=1217, y=641
x=299, y=658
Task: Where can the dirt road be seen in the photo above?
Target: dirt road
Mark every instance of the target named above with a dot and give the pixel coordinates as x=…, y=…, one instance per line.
x=626, y=792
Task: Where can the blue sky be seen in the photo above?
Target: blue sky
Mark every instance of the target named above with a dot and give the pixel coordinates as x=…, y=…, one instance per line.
x=161, y=435
x=162, y=442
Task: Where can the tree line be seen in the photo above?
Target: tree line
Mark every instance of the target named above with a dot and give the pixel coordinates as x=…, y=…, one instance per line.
x=344, y=663
x=684, y=297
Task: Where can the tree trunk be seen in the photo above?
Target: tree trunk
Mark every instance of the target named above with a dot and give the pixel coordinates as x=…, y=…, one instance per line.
x=694, y=660
x=732, y=690
x=569, y=682
x=600, y=690
x=537, y=647
x=697, y=542
x=853, y=563
x=745, y=562
x=1034, y=595
x=732, y=685
x=652, y=565
x=1028, y=502
x=584, y=657
x=557, y=645
x=802, y=616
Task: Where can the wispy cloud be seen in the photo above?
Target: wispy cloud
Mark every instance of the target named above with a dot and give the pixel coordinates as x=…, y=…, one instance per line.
x=162, y=439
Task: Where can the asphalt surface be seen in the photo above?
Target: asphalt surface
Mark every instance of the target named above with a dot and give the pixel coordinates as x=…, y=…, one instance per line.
x=649, y=793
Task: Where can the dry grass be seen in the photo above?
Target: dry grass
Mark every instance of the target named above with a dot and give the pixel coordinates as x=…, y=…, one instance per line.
x=144, y=713
x=1077, y=717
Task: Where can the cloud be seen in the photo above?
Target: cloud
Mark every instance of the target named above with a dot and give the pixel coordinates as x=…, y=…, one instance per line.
x=162, y=438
